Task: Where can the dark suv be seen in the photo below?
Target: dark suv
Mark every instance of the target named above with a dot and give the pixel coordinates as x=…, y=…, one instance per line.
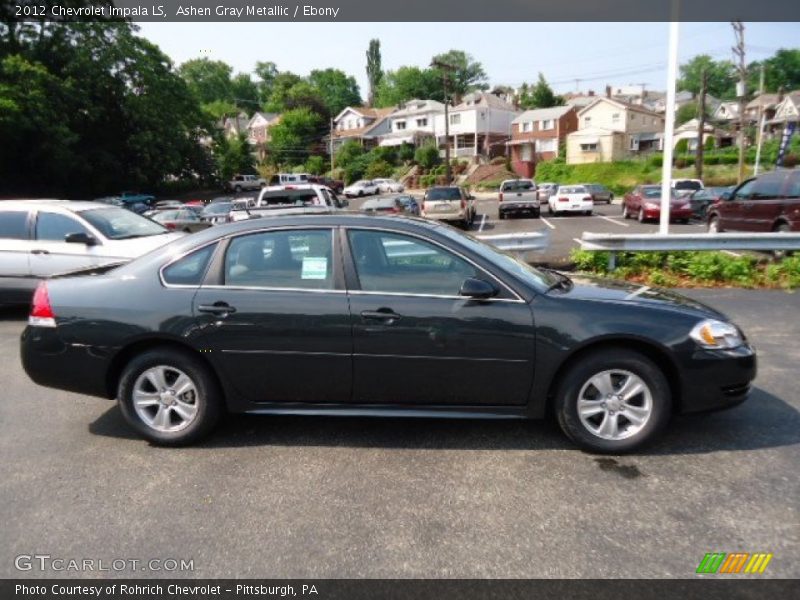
x=769, y=202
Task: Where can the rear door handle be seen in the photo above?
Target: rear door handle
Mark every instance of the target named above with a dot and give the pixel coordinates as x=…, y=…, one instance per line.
x=222, y=309
x=383, y=314
x=39, y=251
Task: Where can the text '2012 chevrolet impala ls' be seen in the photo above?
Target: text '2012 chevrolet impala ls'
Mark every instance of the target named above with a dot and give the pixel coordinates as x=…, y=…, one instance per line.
x=383, y=316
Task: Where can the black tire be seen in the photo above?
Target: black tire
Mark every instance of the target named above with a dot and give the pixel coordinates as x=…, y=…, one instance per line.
x=714, y=226
x=549, y=209
x=640, y=216
x=360, y=193
x=187, y=230
x=208, y=397
x=781, y=254
x=589, y=213
x=501, y=215
x=578, y=376
x=238, y=189
x=537, y=213
x=625, y=213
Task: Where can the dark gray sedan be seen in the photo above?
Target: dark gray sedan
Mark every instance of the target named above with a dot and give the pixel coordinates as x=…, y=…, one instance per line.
x=369, y=315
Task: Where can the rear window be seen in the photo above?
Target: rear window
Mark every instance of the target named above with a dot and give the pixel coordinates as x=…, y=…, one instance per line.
x=444, y=194
x=688, y=185
x=14, y=225
x=289, y=198
x=520, y=185
x=575, y=189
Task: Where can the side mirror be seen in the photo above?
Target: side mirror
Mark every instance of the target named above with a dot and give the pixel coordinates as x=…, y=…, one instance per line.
x=478, y=289
x=80, y=238
x=726, y=196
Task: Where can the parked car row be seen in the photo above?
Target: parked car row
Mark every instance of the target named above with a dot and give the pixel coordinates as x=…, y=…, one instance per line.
x=369, y=187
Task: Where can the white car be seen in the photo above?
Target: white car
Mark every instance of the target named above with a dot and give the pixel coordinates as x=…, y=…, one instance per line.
x=40, y=238
x=386, y=186
x=364, y=187
x=570, y=198
x=288, y=200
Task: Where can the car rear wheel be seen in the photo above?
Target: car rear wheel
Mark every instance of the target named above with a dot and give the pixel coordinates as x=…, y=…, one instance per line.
x=613, y=401
x=169, y=398
x=501, y=215
x=640, y=216
x=625, y=212
x=714, y=226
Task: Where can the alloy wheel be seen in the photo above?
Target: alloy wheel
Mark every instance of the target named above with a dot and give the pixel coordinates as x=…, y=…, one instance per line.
x=165, y=398
x=615, y=404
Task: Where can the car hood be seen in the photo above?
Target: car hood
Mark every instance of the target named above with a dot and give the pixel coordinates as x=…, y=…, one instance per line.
x=622, y=292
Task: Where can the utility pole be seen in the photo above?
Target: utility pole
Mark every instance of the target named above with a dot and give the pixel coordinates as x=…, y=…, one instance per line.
x=446, y=70
x=741, y=88
x=761, y=117
x=701, y=129
x=332, y=160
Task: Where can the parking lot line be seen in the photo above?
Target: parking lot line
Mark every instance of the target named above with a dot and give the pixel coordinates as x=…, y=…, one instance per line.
x=614, y=221
x=548, y=223
x=483, y=222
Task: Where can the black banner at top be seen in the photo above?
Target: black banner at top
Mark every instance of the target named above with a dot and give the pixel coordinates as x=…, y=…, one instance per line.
x=402, y=10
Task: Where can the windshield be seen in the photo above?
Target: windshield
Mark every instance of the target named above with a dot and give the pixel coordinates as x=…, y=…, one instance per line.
x=444, y=193
x=519, y=185
x=688, y=185
x=508, y=262
x=118, y=223
x=220, y=208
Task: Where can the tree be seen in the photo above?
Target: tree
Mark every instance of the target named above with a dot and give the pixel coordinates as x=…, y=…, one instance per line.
x=266, y=73
x=539, y=96
x=687, y=112
x=293, y=138
x=208, y=80
x=378, y=168
x=245, y=93
x=232, y=156
x=336, y=89
x=468, y=75
x=315, y=165
x=721, y=76
x=349, y=152
x=782, y=70
x=374, y=69
x=406, y=83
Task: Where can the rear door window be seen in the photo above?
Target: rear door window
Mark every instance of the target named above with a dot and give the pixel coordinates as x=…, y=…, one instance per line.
x=14, y=225
x=190, y=269
x=768, y=187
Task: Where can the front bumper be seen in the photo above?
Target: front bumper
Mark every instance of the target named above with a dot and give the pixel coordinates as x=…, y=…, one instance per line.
x=717, y=379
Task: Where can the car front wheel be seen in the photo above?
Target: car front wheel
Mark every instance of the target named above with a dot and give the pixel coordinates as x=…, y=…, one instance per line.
x=713, y=225
x=169, y=397
x=613, y=401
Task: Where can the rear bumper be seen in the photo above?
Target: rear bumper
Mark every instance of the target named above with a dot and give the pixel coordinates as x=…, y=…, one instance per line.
x=460, y=215
x=518, y=207
x=716, y=380
x=582, y=208
x=51, y=362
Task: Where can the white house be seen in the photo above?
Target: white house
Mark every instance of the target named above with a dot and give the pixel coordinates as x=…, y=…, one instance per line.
x=413, y=122
x=479, y=125
x=688, y=132
x=362, y=124
x=609, y=130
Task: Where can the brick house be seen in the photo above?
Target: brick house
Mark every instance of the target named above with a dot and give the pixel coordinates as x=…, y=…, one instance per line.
x=536, y=135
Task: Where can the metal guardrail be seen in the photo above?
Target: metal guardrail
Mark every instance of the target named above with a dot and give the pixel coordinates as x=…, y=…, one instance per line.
x=646, y=242
x=533, y=241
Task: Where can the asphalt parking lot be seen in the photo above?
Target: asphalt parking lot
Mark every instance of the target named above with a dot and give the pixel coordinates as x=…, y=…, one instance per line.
x=564, y=230
x=345, y=497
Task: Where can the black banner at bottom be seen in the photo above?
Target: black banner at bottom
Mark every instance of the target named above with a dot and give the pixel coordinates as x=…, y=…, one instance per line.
x=706, y=588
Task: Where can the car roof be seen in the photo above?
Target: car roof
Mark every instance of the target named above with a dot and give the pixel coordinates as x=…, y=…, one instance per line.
x=68, y=205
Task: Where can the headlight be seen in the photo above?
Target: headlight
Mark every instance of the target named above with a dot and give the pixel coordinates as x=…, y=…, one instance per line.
x=716, y=334
x=652, y=205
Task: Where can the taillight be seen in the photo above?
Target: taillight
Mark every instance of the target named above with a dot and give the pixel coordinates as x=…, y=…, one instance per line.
x=587, y=199
x=501, y=197
x=563, y=199
x=41, y=311
x=463, y=203
x=169, y=225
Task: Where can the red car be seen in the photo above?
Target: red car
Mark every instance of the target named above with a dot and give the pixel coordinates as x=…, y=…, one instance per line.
x=644, y=203
x=769, y=202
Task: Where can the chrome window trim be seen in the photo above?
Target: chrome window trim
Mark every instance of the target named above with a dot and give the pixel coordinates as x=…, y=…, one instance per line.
x=347, y=228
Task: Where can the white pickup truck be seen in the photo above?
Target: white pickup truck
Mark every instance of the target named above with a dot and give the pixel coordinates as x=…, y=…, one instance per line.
x=518, y=196
x=240, y=183
x=288, y=200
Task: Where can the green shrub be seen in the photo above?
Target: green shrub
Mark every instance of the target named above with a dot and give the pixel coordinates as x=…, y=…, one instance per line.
x=427, y=181
x=427, y=156
x=682, y=146
x=657, y=160
x=405, y=152
x=593, y=262
x=315, y=165
x=348, y=153
x=378, y=168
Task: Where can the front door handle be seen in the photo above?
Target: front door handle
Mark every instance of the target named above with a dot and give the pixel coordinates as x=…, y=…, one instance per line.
x=39, y=251
x=387, y=315
x=222, y=309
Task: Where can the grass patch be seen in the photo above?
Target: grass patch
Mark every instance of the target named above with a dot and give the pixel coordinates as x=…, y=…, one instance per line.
x=693, y=269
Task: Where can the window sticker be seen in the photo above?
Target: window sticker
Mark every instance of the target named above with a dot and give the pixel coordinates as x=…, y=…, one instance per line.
x=314, y=267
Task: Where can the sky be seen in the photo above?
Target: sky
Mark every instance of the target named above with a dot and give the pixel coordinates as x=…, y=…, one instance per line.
x=595, y=54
